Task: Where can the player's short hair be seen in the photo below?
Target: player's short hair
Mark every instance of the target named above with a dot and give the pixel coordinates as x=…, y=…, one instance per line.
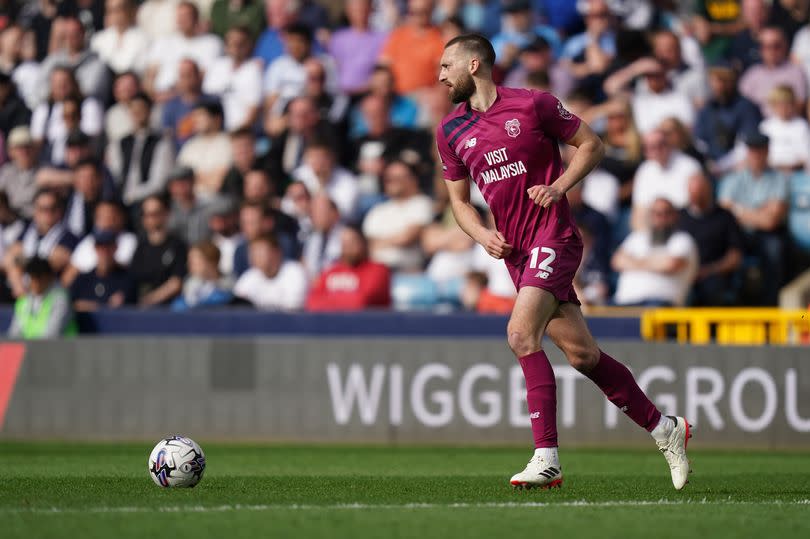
x=477, y=46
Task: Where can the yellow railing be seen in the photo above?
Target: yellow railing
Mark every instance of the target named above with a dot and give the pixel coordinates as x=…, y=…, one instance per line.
x=748, y=326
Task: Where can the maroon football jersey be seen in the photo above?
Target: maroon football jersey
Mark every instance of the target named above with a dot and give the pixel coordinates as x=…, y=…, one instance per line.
x=507, y=149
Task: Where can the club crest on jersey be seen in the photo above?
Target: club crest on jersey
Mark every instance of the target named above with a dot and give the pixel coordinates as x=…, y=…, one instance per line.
x=471, y=142
x=512, y=127
x=564, y=114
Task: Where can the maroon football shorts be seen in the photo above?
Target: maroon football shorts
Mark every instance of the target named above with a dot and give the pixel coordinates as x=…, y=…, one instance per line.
x=550, y=266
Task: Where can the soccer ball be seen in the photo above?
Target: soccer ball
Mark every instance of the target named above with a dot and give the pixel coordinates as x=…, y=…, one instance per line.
x=177, y=461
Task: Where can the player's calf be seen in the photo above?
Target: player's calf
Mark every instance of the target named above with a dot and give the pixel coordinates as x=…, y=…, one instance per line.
x=582, y=358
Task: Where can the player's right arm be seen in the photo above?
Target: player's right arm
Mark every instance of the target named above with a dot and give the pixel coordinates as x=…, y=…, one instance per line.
x=470, y=222
x=457, y=178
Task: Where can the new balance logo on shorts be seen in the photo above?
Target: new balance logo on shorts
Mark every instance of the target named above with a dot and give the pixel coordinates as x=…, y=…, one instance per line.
x=542, y=274
x=534, y=415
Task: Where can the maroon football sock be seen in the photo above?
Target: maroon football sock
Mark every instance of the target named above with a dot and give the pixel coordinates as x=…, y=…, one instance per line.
x=619, y=386
x=541, y=396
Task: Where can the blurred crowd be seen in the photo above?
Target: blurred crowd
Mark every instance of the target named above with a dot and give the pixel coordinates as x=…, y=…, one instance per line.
x=280, y=153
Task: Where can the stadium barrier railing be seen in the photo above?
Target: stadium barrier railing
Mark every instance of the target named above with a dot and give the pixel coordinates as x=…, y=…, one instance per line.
x=727, y=326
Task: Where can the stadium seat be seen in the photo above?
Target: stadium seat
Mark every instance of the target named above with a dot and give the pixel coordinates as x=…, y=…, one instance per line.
x=413, y=292
x=450, y=291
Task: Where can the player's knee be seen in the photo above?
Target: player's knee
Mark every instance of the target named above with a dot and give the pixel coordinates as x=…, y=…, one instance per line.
x=583, y=358
x=522, y=342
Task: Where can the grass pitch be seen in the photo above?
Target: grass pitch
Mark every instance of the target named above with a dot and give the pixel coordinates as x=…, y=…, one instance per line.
x=82, y=490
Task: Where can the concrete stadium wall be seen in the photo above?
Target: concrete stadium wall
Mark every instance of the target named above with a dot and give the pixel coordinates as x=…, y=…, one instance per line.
x=383, y=390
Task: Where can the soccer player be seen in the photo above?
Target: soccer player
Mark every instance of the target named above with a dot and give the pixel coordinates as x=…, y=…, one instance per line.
x=506, y=140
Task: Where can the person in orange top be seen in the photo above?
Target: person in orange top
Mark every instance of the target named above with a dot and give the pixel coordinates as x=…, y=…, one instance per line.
x=353, y=283
x=414, y=49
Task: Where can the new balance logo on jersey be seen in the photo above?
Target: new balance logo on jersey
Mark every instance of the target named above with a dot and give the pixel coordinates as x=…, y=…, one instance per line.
x=471, y=142
x=534, y=415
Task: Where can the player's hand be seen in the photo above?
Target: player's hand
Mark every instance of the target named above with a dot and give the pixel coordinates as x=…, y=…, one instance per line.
x=495, y=244
x=545, y=195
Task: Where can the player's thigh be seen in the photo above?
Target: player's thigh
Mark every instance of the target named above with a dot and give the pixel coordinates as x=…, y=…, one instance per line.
x=533, y=309
x=568, y=330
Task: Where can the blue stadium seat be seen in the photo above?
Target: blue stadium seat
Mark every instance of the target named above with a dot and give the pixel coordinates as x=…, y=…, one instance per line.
x=413, y=291
x=450, y=291
x=799, y=212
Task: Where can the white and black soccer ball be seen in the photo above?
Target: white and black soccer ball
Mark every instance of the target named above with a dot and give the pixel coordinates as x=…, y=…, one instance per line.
x=177, y=461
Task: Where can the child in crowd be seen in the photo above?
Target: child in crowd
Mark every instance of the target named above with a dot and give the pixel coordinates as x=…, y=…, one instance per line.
x=788, y=132
x=204, y=287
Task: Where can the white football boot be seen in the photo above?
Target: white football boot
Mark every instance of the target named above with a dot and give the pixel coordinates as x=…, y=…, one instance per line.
x=539, y=473
x=674, y=450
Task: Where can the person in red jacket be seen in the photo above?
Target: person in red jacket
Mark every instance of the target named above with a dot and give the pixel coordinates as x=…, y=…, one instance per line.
x=353, y=282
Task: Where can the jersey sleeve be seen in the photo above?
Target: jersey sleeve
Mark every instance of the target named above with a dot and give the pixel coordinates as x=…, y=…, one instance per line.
x=453, y=167
x=553, y=118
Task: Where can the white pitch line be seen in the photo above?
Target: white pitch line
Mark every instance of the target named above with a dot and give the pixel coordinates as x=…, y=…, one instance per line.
x=366, y=506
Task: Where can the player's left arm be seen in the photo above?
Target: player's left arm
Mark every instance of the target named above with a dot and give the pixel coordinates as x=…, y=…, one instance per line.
x=589, y=151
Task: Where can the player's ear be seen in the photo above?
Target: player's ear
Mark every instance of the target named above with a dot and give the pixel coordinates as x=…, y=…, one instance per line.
x=474, y=65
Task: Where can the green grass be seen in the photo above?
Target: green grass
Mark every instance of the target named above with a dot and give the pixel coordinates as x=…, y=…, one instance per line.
x=76, y=490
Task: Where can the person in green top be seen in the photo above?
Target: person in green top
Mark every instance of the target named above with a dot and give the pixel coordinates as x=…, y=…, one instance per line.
x=715, y=24
x=44, y=310
x=227, y=14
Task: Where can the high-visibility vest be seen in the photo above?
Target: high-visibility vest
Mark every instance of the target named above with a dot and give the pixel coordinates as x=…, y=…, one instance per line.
x=34, y=321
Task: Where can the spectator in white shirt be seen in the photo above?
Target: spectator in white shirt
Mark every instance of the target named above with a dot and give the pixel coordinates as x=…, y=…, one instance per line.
x=208, y=152
x=49, y=124
x=320, y=173
x=224, y=224
x=664, y=174
x=156, y=18
x=660, y=101
x=658, y=265
x=789, y=133
x=167, y=52
x=237, y=79
x=272, y=283
x=27, y=75
x=286, y=77
x=395, y=227
x=117, y=119
x=121, y=45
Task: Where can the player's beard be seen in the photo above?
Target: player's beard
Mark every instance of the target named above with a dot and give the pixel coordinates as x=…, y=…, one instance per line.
x=463, y=89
